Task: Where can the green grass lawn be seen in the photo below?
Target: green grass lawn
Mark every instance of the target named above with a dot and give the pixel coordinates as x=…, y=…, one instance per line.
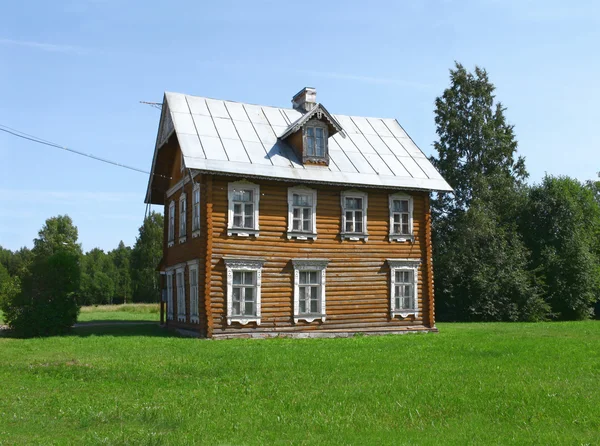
x=127, y=312
x=469, y=384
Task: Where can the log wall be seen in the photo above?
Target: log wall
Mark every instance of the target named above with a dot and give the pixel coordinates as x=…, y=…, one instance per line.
x=357, y=284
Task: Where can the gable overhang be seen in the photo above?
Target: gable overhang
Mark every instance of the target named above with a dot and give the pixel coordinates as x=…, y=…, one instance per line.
x=158, y=182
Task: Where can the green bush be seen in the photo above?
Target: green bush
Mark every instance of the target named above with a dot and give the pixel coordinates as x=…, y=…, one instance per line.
x=45, y=304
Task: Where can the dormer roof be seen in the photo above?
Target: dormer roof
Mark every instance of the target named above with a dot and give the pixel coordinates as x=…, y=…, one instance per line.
x=319, y=112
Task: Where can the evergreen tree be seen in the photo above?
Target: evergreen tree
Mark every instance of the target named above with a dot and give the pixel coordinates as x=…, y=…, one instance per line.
x=145, y=256
x=481, y=261
x=97, y=284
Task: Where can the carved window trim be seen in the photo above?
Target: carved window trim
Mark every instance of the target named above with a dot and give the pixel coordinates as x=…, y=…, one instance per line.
x=404, y=265
x=243, y=264
x=182, y=218
x=196, y=211
x=400, y=237
x=194, y=295
x=300, y=234
x=309, y=265
x=180, y=284
x=243, y=185
x=170, y=277
x=314, y=124
x=354, y=236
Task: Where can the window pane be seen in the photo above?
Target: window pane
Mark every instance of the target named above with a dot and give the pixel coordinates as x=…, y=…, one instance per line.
x=310, y=149
x=306, y=213
x=306, y=225
x=396, y=229
x=319, y=132
x=249, y=221
x=296, y=212
x=310, y=131
x=314, y=306
x=313, y=277
x=405, y=229
x=314, y=293
x=237, y=277
x=249, y=278
x=297, y=225
x=302, y=306
x=237, y=221
x=249, y=306
x=237, y=209
x=358, y=226
x=249, y=209
x=235, y=310
x=302, y=200
x=303, y=277
x=397, y=291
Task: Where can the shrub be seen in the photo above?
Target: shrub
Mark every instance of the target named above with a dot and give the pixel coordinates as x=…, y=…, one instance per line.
x=45, y=305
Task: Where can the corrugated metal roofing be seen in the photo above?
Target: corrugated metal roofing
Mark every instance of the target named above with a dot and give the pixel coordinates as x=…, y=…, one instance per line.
x=236, y=138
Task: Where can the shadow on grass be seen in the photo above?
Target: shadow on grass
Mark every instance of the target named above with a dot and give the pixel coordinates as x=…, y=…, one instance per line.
x=145, y=329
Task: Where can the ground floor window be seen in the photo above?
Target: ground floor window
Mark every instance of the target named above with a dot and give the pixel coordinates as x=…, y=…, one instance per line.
x=180, y=278
x=169, y=295
x=243, y=290
x=403, y=287
x=309, y=289
x=193, y=280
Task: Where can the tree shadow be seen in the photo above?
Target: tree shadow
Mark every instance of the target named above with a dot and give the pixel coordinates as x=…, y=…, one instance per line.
x=98, y=328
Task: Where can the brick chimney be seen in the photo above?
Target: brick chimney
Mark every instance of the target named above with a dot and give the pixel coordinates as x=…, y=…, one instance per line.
x=305, y=100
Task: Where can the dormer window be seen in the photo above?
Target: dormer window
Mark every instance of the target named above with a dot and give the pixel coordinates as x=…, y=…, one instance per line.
x=315, y=141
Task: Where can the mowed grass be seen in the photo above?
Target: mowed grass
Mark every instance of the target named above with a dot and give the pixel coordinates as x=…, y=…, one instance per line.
x=126, y=312
x=469, y=384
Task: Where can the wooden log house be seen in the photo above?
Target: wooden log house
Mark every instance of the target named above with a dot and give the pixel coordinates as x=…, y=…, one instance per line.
x=291, y=221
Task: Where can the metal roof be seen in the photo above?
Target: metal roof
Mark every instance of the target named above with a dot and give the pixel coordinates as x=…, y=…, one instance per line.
x=243, y=139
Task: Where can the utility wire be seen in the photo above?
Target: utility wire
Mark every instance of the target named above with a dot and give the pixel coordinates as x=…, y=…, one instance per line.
x=29, y=137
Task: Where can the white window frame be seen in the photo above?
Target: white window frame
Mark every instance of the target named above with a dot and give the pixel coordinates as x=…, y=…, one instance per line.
x=194, y=294
x=171, y=225
x=309, y=265
x=169, y=286
x=364, y=235
x=196, y=211
x=180, y=293
x=291, y=232
x=404, y=265
x=182, y=221
x=244, y=185
x=243, y=264
x=396, y=236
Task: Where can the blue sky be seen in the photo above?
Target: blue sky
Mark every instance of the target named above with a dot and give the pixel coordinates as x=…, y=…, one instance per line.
x=73, y=72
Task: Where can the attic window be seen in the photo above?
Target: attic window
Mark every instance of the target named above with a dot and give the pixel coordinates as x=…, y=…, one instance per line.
x=315, y=141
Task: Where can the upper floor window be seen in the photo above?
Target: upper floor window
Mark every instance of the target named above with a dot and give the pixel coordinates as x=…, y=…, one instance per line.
x=302, y=205
x=182, y=218
x=243, y=208
x=403, y=287
x=315, y=140
x=243, y=290
x=196, y=211
x=171, y=231
x=309, y=289
x=354, y=215
x=401, y=218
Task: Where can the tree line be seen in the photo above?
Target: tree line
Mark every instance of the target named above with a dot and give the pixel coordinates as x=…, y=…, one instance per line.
x=122, y=275
x=505, y=250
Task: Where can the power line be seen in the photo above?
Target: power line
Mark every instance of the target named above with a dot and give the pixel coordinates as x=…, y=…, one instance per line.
x=38, y=140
